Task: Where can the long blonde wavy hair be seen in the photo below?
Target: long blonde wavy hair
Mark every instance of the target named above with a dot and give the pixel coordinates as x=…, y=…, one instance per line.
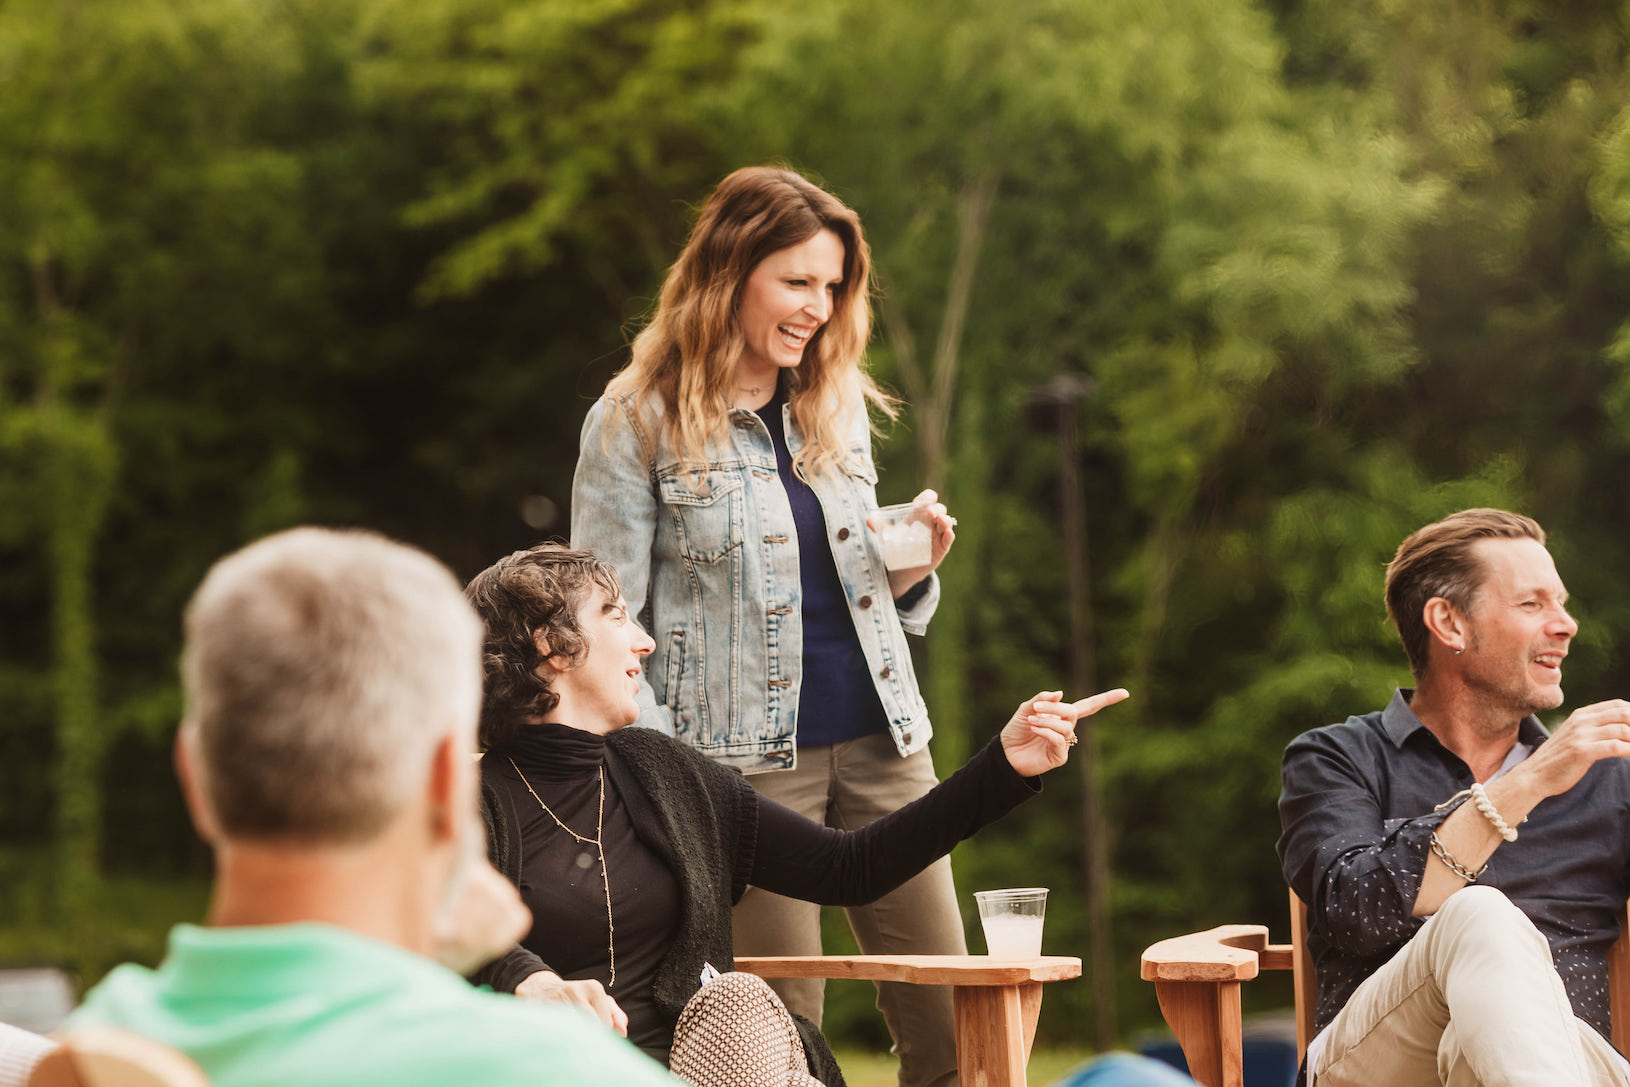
x=686, y=356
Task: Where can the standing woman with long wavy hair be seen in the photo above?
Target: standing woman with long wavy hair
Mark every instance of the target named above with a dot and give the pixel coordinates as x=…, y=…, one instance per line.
x=727, y=473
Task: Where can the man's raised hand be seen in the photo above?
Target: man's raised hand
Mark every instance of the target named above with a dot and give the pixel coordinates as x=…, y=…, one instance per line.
x=1590, y=734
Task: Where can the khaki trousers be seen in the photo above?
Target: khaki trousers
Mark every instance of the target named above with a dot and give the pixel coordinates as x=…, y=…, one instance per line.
x=1472, y=1000
x=846, y=786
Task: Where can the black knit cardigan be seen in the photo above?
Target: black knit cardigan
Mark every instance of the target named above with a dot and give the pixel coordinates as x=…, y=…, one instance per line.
x=701, y=818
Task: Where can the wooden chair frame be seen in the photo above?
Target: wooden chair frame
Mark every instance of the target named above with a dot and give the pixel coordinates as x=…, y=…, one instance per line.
x=996, y=1000
x=106, y=1057
x=1197, y=979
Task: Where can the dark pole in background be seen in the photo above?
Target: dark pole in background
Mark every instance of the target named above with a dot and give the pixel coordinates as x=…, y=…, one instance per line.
x=1064, y=394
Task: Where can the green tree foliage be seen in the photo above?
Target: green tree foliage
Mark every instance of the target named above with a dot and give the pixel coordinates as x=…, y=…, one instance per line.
x=143, y=223
x=567, y=129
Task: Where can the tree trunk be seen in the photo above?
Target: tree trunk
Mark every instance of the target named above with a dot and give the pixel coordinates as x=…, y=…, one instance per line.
x=933, y=401
x=76, y=515
x=79, y=461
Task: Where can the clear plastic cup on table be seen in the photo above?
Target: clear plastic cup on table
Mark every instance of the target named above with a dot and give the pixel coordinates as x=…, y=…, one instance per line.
x=1012, y=919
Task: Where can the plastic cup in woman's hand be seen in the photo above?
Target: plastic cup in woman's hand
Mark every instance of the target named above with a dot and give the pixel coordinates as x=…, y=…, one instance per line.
x=905, y=535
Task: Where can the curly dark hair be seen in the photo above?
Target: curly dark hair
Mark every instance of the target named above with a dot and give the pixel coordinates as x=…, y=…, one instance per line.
x=525, y=594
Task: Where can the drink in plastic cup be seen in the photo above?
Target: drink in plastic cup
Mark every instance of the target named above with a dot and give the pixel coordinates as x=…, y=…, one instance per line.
x=907, y=542
x=1012, y=921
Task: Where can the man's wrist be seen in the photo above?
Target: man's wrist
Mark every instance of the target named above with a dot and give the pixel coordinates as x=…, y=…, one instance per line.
x=1514, y=796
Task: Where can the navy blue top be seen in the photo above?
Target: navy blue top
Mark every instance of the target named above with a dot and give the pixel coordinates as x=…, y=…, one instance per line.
x=1358, y=810
x=837, y=699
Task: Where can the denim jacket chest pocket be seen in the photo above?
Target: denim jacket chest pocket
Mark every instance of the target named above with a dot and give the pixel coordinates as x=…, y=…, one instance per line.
x=707, y=515
x=858, y=464
x=854, y=494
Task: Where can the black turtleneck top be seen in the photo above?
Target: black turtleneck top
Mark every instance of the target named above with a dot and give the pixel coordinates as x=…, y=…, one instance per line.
x=561, y=882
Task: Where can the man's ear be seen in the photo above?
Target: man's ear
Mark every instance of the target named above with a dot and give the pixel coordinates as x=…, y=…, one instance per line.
x=190, y=772
x=1445, y=623
x=448, y=793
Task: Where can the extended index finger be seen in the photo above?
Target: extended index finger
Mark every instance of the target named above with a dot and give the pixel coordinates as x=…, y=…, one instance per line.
x=1086, y=707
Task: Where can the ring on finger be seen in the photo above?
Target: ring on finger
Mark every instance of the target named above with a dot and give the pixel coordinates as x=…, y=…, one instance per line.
x=1073, y=740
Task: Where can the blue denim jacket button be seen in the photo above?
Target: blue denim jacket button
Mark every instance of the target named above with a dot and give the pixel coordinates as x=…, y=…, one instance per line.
x=884, y=674
x=865, y=601
x=843, y=533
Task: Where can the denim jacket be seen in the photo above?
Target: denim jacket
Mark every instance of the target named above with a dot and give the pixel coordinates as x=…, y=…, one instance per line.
x=710, y=566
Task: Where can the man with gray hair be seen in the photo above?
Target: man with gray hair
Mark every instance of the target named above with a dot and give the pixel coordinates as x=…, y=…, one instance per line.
x=333, y=684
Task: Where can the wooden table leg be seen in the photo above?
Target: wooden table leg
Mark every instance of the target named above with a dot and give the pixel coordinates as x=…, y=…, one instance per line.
x=1029, y=1011
x=995, y=1026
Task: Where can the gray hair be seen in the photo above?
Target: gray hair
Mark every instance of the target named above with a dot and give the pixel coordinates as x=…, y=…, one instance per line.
x=321, y=669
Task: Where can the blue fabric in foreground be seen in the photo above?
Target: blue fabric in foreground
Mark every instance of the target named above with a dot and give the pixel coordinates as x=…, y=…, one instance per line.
x=1269, y=1055
x=1124, y=1070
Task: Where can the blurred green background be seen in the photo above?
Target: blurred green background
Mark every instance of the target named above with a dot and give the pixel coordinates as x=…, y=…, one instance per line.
x=1317, y=271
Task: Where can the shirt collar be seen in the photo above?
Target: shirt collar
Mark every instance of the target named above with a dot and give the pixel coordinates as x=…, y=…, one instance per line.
x=300, y=957
x=1398, y=721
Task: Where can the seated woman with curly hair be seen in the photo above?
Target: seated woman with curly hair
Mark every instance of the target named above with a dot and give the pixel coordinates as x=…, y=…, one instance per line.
x=630, y=847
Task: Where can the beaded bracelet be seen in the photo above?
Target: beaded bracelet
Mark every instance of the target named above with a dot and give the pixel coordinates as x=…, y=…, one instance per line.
x=1453, y=865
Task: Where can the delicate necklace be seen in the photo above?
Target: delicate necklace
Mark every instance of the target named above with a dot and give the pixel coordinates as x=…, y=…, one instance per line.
x=751, y=390
x=596, y=841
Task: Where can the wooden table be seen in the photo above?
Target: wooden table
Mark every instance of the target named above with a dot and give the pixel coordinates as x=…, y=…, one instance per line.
x=996, y=1000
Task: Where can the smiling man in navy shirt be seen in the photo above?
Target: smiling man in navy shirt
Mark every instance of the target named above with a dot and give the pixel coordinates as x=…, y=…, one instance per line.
x=1463, y=868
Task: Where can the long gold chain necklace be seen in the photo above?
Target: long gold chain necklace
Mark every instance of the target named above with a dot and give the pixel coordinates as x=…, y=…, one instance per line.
x=597, y=842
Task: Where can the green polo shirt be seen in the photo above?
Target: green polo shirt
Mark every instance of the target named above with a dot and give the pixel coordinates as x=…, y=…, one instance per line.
x=315, y=1005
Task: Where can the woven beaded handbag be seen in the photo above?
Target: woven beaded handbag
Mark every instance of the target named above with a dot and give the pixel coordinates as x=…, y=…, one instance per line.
x=735, y=1032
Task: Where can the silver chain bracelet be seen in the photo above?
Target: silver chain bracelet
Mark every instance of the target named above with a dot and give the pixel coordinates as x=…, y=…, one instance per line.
x=1453, y=865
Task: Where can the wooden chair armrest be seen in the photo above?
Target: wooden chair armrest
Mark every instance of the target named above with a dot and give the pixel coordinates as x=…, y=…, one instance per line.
x=1224, y=953
x=109, y=1057
x=915, y=969
x=1197, y=979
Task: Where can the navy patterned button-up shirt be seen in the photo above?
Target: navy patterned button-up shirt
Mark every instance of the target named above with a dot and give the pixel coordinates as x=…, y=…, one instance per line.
x=1357, y=812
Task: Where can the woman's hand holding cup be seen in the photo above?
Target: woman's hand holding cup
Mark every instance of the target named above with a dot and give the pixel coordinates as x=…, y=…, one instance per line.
x=928, y=511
